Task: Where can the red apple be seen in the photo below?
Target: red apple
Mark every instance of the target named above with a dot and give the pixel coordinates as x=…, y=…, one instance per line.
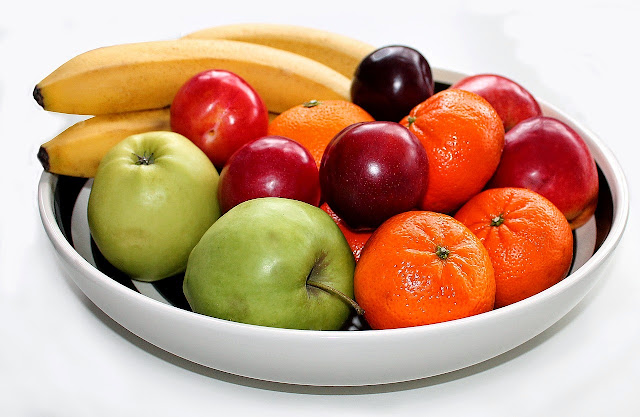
x=371, y=171
x=219, y=112
x=546, y=155
x=270, y=166
x=511, y=100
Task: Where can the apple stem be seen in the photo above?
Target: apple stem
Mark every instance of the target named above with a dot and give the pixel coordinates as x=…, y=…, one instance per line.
x=339, y=294
x=145, y=159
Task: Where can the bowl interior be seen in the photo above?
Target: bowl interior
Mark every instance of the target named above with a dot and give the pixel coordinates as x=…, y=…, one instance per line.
x=355, y=355
x=71, y=196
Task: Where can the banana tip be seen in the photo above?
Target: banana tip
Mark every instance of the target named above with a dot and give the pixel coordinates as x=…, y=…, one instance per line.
x=37, y=95
x=43, y=157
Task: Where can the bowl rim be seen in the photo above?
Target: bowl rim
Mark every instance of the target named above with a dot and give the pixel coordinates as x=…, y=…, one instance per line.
x=612, y=171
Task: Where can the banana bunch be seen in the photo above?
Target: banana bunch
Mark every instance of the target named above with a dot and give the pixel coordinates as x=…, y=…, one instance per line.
x=339, y=52
x=129, y=87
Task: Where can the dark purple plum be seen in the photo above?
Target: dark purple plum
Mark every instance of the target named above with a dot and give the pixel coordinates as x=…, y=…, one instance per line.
x=371, y=171
x=390, y=81
x=271, y=166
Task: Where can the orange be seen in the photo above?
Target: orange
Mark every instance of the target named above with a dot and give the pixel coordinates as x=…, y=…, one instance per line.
x=355, y=238
x=464, y=137
x=313, y=124
x=528, y=238
x=422, y=267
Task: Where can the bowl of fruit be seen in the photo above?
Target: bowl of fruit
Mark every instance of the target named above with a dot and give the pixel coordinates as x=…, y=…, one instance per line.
x=296, y=206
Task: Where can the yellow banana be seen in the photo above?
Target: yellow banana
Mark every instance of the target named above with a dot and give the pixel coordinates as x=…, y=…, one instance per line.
x=78, y=150
x=336, y=51
x=146, y=75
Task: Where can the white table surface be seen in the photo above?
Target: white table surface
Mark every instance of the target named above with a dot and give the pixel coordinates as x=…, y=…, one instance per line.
x=61, y=356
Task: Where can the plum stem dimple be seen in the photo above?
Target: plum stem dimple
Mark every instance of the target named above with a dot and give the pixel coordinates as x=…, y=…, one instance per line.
x=339, y=294
x=145, y=159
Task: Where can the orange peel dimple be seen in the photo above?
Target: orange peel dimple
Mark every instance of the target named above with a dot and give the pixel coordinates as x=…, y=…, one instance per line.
x=464, y=137
x=402, y=280
x=531, y=250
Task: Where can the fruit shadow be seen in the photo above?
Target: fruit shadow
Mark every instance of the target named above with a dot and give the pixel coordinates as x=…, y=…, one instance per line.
x=337, y=390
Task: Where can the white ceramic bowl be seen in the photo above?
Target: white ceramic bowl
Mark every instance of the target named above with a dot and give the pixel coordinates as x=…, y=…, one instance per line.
x=156, y=313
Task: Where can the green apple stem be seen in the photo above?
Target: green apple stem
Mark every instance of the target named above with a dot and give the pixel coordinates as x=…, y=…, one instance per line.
x=145, y=159
x=339, y=294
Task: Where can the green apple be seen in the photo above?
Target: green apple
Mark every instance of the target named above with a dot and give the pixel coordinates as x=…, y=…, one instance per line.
x=152, y=199
x=273, y=262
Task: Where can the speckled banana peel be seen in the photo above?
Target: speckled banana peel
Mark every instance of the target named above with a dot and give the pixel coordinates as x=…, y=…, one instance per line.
x=78, y=150
x=340, y=52
x=147, y=75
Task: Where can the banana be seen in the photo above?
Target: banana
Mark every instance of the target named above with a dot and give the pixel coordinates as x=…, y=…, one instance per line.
x=78, y=150
x=146, y=75
x=336, y=51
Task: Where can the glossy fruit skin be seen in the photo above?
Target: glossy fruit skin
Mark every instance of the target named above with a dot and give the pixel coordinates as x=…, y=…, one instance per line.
x=314, y=123
x=219, y=112
x=512, y=101
x=371, y=171
x=420, y=268
x=390, y=81
x=145, y=219
x=270, y=166
x=529, y=240
x=463, y=136
x=547, y=156
x=253, y=264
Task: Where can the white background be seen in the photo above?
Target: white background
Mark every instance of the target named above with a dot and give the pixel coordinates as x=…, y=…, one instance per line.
x=61, y=356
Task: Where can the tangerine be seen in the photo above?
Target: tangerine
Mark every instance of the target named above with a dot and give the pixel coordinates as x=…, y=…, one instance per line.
x=463, y=136
x=422, y=267
x=313, y=124
x=528, y=239
x=355, y=238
